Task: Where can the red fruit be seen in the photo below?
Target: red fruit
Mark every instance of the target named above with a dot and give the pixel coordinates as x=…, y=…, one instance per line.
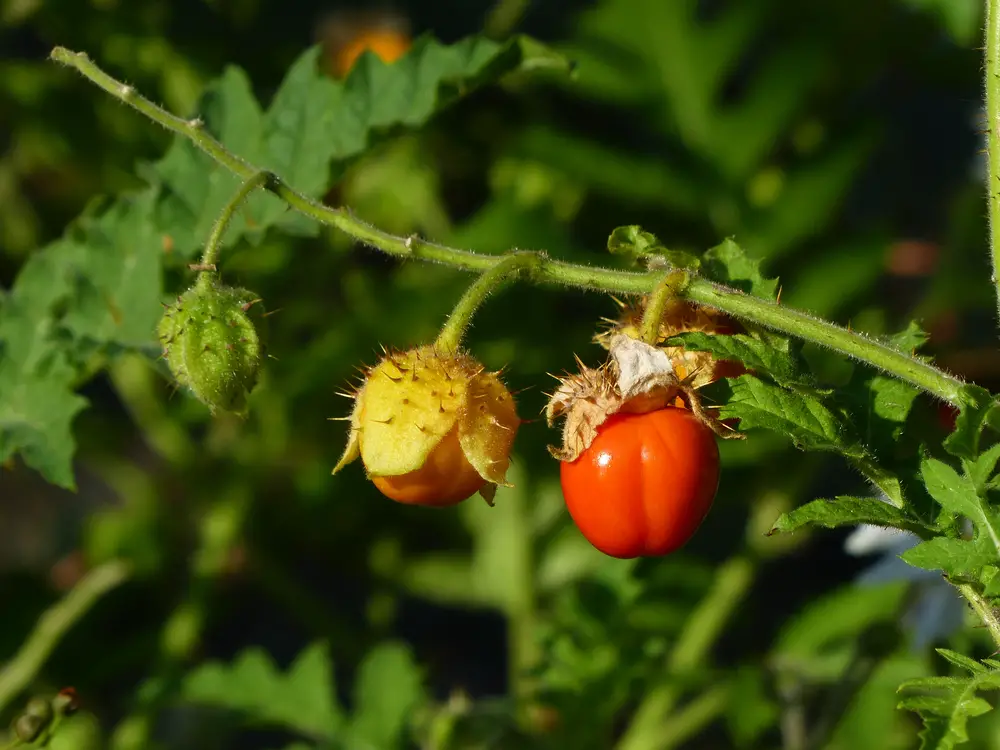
x=645, y=484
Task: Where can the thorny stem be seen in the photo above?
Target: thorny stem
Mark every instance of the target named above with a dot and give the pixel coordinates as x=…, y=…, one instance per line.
x=54, y=624
x=783, y=319
x=992, y=93
x=670, y=287
x=503, y=271
x=214, y=245
x=983, y=608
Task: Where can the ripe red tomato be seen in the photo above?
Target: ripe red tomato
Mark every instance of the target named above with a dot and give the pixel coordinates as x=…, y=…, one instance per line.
x=645, y=484
x=446, y=478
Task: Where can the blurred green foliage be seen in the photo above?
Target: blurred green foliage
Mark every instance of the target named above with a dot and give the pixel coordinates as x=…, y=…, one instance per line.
x=274, y=606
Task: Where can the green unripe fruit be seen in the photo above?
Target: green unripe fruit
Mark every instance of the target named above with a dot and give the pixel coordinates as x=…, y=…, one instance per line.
x=214, y=339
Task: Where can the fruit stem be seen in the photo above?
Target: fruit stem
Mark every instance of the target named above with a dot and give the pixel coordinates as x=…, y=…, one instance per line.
x=213, y=247
x=992, y=92
x=546, y=270
x=503, y=272
x=668, y=289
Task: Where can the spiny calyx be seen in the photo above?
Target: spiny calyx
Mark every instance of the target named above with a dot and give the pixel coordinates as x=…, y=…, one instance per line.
x=432, y=427
x=214, y=339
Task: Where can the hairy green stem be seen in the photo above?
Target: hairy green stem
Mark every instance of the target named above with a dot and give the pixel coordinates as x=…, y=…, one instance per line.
x=669, y=287
x=213, y=247
x=700, y=632
x=505, y=270
x=783, y=319
x=54, y=624
x=854, y=345
x=992, y=92
x=983, y=608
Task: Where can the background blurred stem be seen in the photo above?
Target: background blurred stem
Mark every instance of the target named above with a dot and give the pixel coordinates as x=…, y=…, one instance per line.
x=521, y=633
x=504, y=17
x=694, y=716
x=219, y=531
x=134, y=380
x=992, y=91
x=54, y=624
x=702, y=628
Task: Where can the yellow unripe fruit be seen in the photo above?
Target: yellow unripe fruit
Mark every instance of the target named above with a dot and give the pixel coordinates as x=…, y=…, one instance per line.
x=432, y=427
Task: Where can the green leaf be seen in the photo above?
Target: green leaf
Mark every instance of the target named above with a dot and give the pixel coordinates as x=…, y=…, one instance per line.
x=635, y=243
x=960, y=660
x=37, y=403
x=956, y=557
x=910, y=339
x=946, y=704
x=801, y=417
x=982, y=468
x=764, y=354
x=301, y=699
x=632, y=240
x=388, y=688
x=727, y=263
x=955, y=493
x=847, y=511
x=974, y=410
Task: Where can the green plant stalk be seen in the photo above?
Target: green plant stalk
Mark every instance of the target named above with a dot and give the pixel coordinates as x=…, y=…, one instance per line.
x=670, y=287
x=783, y=319
x=18, y=673
x=505, y=270
x=983, y=608
x=992, y=95
x=210, y=256
x=522, y=644
x=700, y=631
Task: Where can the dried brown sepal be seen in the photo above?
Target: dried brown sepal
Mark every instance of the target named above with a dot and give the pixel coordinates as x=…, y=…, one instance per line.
x=679, y=316
x=636, y=378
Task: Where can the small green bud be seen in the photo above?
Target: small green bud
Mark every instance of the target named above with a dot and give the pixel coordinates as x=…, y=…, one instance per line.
x=39, y=707
x=214, y=339
x=27, y=727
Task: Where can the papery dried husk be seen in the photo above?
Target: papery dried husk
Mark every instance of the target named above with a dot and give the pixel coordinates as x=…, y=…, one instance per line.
x=697, y=369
